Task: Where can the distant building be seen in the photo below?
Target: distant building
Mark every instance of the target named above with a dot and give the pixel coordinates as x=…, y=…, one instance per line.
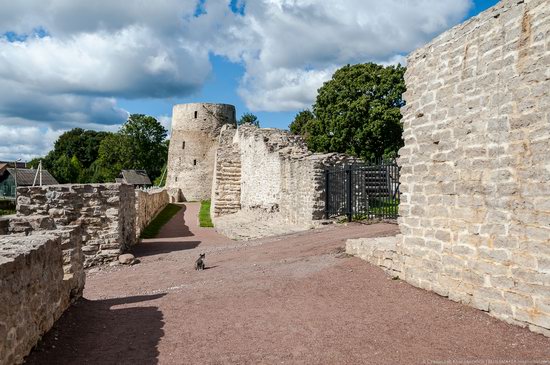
x=138, y=178
x=25, y=177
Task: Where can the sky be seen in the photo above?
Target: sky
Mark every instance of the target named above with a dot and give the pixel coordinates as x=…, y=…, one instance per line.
x=89, y=64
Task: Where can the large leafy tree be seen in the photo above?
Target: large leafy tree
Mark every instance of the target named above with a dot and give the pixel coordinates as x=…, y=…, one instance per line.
x=146, y=138
x=357, y=112
x=114, y=155
x=84, y=144
x=73, y=154
x=67, y=170
x=140, y=144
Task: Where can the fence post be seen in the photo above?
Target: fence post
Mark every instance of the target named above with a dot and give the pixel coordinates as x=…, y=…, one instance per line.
x=349, y=199
x=327, y=185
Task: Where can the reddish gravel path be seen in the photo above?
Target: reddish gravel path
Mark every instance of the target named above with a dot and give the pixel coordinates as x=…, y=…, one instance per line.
x=287, y=300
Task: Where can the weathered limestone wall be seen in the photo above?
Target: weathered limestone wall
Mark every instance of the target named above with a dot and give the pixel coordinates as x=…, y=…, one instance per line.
x=302, y=198
x=381, y=251
x=193, y=143
x=34, y=290
x=148, y=204
x=475, y=182
x=105, y=212
x=265, y=171
x=261, y=165
x=226, y=189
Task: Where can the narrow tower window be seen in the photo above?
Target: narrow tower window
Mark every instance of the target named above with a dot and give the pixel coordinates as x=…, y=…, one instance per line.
x=196, y=114
x=194, y=162
x=176, y=179
x=183, y=145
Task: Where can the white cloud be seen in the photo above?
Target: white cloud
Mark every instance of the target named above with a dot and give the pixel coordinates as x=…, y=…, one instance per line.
x=25, y=142
x=79, y=57
x=290, y=47
x=166, y=122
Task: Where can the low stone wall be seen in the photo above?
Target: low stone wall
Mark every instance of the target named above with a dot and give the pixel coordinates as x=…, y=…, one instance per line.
x=39, y=277
x=148, y=204
x=105, y=212
x=380, y=251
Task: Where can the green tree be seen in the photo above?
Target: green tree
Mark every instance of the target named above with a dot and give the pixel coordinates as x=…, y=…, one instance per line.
x=84, y=144
x=146, y=138
x=298, y=126
x=115, y=154
x=358, y=112
x=67, y=170
x=33, y=164
x=249, y=118
x=140, y=144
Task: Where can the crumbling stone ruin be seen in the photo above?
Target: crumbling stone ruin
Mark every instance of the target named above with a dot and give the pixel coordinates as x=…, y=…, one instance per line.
x=475, y=182
x=57, y=232
x=105, y=212
x=247, y=170
x=40, y=276
x=261, y=170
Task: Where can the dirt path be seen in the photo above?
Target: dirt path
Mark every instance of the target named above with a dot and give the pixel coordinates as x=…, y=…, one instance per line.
x=287, y=300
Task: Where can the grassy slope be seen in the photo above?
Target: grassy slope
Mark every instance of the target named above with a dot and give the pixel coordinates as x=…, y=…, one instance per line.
x=204, y=214
x=160, y=220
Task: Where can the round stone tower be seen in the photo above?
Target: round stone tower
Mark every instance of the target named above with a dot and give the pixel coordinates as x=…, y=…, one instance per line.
x=193, y=143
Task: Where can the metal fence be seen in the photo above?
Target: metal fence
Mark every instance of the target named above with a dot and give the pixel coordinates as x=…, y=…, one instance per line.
x=362, y=191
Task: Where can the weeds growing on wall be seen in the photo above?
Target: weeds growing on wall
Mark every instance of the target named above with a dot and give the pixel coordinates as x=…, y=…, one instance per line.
x=7, y=211
x=204, y=214
x=160, y=220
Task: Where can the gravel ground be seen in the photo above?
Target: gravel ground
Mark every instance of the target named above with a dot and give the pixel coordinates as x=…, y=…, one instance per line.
x=294, y=299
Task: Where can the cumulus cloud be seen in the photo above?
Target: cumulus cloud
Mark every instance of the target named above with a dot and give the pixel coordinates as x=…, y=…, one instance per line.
x=290, y=47
x=64, y=63
x=26, y=142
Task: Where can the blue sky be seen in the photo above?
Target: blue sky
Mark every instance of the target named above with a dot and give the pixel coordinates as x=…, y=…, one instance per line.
x=223, y=83
x=67, y=63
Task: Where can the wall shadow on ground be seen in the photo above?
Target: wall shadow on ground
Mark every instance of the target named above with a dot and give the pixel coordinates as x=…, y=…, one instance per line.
x=159, y=246
x=93, y=332
x=176, y=227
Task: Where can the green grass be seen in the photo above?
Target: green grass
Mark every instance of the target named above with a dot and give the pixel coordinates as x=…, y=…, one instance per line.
x=377, y=209
x=160, y=220
x=383, y=207
x=7, y=211
x=204, y=214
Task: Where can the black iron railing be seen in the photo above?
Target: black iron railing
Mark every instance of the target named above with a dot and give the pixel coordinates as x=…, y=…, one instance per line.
x=363, y=191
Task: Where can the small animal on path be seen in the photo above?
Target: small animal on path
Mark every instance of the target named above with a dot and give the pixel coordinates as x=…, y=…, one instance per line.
x=199, y=264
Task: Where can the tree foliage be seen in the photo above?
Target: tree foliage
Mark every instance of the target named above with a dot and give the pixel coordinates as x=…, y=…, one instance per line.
x=298, y=126
x=357, y=112
x=140, y=145
x=83, y=156
x=249, y=118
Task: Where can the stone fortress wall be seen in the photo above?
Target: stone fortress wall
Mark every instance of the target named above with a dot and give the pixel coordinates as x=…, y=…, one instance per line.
x=194, y=139
x=106, y=213
x=475, y=177
x=263, y=171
